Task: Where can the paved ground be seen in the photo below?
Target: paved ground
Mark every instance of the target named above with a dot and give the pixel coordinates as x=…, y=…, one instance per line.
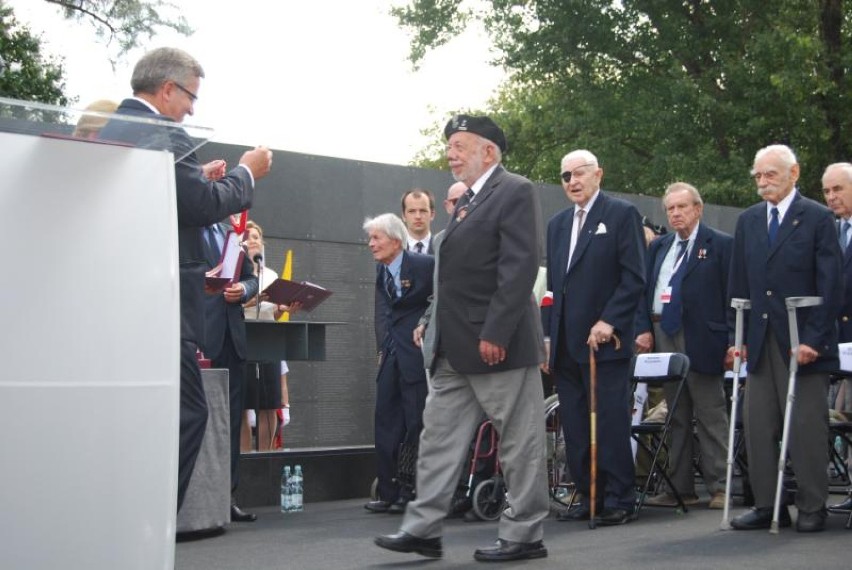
x=339, y=535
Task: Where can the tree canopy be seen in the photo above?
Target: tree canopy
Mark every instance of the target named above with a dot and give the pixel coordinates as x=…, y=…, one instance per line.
x=660, y=90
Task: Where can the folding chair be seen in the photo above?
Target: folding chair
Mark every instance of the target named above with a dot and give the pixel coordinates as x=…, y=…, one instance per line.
x=842, y=429
x=657, y=369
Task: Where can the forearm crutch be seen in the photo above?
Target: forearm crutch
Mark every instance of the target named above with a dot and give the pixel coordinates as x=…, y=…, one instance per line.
x=740, y=305
x=792, y=303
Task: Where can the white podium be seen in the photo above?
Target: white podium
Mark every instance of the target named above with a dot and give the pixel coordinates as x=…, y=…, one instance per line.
x=89, y=393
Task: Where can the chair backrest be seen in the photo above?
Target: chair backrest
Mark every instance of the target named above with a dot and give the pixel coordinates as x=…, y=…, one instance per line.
x=657, y=368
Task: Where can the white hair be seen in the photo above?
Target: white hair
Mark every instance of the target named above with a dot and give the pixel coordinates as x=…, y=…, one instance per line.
x=389, y=224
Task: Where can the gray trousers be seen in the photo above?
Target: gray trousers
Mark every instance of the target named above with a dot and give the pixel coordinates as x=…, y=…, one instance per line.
x=765, y=402
x=703, y=398
x=514, y=401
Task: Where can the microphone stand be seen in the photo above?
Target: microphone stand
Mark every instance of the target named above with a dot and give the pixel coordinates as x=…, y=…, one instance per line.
x=258, y=259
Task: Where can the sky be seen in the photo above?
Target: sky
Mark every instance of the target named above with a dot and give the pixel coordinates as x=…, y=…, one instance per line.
x=326, y=77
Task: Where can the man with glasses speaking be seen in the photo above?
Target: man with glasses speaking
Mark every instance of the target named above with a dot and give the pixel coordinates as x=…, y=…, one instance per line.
x=596, y=270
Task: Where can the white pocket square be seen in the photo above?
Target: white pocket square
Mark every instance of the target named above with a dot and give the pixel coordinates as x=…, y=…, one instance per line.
x=601, y=229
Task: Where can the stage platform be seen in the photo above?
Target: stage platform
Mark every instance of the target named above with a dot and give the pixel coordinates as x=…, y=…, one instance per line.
x=339, y=535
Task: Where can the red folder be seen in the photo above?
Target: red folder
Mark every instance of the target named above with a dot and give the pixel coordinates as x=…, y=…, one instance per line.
x=286, y=292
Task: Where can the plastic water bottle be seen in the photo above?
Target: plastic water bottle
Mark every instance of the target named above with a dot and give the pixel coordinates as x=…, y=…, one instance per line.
x=297, y=486
x=286, y=490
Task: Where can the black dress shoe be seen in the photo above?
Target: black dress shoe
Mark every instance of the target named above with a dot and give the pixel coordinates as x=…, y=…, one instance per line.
x=404, y=542
x=397, y=507
x=576, y=513
x=811, y=522
x=504, y=550
x=239, y=515
x=760, y=518
x=613, y=517
x=842, y=508
x=378, y=506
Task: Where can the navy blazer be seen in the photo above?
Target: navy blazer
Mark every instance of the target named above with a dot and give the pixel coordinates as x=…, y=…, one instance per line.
x=703, y=296
x=845, y=321
x=221, y=315
x=605, y=280
x=398, y=318
x=200, y=202
x=805, y=260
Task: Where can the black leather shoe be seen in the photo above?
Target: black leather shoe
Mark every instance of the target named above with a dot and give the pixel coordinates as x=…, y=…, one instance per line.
x=404, y=542
x=239, y=515
x=758, y=518
x=842, y=508
x=378, y=506
x=811, y=522
x=613, y=517
x=575, y=513
x=397, y=507
x=504, y=550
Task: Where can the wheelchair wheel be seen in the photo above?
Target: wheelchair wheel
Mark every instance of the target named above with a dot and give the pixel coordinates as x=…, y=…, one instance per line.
x=489, y=499
x=561, y=488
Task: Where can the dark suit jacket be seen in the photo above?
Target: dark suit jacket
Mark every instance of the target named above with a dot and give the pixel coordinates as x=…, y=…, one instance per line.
x=805, y=260
x=605, y=280
x=200, y=203
x=221, y=315
x=488, y=264
x=399, y=317
x=845, y=320
x=703, y=296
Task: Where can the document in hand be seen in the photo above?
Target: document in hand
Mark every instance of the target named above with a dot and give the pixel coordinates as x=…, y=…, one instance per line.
x=228, y=269
x=286, y=292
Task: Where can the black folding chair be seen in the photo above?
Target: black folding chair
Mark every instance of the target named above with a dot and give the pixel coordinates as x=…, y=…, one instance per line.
x=842, y=430
x=658, y=369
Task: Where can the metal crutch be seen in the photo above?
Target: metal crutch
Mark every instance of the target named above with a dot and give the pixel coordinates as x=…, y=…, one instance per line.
x=792, y=303
x=740, y=305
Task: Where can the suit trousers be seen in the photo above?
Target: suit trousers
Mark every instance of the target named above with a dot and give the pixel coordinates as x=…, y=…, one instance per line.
x=703, y=399
x=765, y=401
x=398, y=420
x=616, y=470
x=513, y=400
x=228, y=358
x=193, y=416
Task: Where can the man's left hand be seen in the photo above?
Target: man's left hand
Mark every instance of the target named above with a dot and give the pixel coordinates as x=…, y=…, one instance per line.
x=491, y=353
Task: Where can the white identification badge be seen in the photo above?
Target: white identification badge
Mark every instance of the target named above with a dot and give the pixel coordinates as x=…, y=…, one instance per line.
x=666, y=295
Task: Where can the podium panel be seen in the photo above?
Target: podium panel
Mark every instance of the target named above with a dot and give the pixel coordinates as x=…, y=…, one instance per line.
x=270, y=340
x=90, y=350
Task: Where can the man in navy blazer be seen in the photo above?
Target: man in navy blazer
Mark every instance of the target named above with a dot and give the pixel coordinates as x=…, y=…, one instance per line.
x=698, y=328
x=165, y=85
x=225, y=343
x=837, y=190
x=784, y=248
x=596, y=271
x=403, y=285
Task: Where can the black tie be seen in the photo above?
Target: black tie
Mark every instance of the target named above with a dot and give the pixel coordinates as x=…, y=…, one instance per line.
x=390, y=286
x=419, y=246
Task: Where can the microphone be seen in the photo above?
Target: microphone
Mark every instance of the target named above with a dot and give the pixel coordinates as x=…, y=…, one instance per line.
x=258, y=258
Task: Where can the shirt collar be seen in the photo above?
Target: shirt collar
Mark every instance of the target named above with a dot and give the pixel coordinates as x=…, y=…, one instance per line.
x=782, y=206
x=147, y=104
x=480, y=182
x=395, y=265
x=588, y=207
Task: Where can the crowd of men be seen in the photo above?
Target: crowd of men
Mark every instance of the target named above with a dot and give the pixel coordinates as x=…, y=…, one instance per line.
x=615, y=298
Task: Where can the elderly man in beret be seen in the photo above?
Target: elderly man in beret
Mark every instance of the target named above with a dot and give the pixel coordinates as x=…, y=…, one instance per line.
x=487, y=351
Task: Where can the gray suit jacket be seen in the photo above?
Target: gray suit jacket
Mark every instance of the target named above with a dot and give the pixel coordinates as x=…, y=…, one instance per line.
x=488, y=260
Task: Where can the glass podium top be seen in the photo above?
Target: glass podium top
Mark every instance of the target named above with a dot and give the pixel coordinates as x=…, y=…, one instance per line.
x=41, y=119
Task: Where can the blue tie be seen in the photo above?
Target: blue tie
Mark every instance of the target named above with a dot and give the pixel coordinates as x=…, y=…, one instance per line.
x=213, y=241
x=844, y=235
x=773, y=225
x=390, y=286
x=670, y=319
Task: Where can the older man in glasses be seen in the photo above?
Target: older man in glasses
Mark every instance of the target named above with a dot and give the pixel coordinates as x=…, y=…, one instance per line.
x=596, y=270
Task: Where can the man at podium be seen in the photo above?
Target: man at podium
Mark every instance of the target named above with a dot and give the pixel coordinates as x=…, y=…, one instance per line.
x=165, y=85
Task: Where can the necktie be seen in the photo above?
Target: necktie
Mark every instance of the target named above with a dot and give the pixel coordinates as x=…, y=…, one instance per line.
x=418, y=247
x=773, y=225
x=579, y=217
x=390, y=286
x=213, y=241
x=844, y=235
x=670, y=320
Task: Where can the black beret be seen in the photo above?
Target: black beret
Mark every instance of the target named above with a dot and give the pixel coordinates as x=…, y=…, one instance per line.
x=482, y=126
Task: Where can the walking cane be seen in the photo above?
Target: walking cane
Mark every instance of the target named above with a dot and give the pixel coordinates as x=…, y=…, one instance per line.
x=593, y=430
x=792, y=303
x=740, y=305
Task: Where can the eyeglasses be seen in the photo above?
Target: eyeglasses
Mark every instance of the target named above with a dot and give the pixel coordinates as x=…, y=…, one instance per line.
x=192, y=96
x=568, y=174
